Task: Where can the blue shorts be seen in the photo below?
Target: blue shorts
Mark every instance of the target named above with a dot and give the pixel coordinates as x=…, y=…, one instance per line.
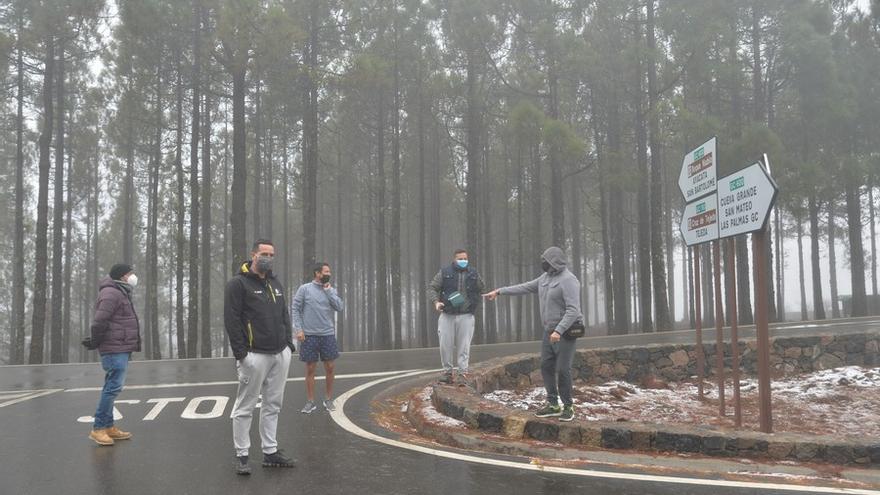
x=315, y=346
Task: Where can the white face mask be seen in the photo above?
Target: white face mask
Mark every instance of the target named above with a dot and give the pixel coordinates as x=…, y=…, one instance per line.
x=132, y=280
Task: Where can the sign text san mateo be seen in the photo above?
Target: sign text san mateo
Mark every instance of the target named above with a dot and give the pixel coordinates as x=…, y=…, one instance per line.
x=745, y=199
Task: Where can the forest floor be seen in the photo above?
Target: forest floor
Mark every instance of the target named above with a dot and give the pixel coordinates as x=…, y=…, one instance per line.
x=841, y=401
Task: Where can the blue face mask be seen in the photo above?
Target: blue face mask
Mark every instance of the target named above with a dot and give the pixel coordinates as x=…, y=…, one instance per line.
x=462, y=263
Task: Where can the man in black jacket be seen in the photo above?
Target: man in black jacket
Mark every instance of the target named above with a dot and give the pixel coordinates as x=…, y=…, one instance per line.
x=258, y=324
x=455, y=294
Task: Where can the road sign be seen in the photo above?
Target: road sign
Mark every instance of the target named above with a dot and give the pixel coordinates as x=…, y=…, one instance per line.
x=745, y=199
x=699, y=222
x=698, y=175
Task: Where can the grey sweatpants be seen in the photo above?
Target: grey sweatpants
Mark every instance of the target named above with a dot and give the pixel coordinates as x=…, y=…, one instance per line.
x=556, y=361
x=264, y=374
x=456, y=332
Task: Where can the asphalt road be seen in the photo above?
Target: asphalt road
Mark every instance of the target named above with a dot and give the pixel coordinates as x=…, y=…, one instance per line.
x=178, y=411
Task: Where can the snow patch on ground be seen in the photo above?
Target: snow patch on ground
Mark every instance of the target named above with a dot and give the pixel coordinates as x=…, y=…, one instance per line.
x=433, y=415
x=842, y=401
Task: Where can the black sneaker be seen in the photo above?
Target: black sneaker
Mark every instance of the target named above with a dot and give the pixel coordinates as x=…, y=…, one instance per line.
x=241, y=465
x=447, y=379
x=567, y=413
x=550, y=410
x=277, y=459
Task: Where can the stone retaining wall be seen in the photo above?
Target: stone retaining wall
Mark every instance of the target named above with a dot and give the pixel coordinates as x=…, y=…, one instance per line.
x=677, y=363
x=672, y=363
x=490, y=417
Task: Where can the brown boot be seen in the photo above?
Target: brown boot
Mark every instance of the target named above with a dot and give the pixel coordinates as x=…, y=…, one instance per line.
x=117, y=434
x=101, y=437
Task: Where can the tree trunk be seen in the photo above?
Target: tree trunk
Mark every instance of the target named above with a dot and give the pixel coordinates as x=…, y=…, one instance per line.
x=856, y=251
x=472, y=190
x=691, y=276
x=395, y=253
x=238, y=210
x=180, y=237
x=757, y=77
x=743, y=278
x=310, y=146
x=780, y=263
x=800, y=244
x=645, y=236
x=68, y=268
x=226, y=236
x=687, y=284
x=257, y=198
x=818, y=302
x=18, y=296
x=557, y=205
x=382, y=321
x=56, y=334
x=707, y=271
x=434, y=229
x=41, y=244
x=151, y=317
x=832, y=259
x=207, y=186
x=619, y=251
x=537, y=232
x=340, y=242
x=193, y=291
x=873, y=241
x=608, y=293
x=128, y=188
x=662, y=303
x=423, y=267
x=486, y=318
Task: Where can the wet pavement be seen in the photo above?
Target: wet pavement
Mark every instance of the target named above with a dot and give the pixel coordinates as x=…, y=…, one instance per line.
x=179, y=411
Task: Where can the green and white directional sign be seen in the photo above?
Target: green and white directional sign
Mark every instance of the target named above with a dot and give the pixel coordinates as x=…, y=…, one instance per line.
x=699, y=222
x=698, y=172
x=745, y=199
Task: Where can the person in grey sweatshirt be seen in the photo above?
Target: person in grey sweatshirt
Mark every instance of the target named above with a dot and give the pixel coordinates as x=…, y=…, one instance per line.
x=314, y=324
x=559, y=295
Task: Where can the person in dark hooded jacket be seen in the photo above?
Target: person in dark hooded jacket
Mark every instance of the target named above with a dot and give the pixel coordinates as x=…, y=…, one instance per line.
x=559, y=296
x=258, y=324
x=115, y=332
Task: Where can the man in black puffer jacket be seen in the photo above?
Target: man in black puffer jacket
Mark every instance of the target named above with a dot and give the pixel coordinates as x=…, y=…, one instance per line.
x=258, y=324
x=115, y=332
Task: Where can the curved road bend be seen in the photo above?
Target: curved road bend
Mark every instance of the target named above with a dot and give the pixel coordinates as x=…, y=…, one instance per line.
x=178, y=411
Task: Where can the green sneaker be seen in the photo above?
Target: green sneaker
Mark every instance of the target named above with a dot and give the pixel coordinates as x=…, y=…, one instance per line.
x=550, y=410
x=567, y=413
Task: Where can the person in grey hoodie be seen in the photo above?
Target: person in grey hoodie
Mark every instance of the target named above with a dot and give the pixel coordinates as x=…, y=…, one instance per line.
x=559, y=295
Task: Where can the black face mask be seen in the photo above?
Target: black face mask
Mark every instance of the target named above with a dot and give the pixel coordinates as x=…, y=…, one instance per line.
x=325, y=279
x=545, y=265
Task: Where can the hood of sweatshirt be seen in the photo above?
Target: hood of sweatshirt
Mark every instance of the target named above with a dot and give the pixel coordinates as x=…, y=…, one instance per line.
x=556, y=257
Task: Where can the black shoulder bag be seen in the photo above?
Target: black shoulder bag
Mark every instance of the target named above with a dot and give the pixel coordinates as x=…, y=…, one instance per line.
x=576, y=330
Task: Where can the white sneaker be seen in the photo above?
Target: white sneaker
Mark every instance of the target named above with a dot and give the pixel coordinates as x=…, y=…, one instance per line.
x=309, y=408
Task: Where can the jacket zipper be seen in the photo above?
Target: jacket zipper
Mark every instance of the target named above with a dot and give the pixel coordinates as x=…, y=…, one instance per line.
x=271, y=291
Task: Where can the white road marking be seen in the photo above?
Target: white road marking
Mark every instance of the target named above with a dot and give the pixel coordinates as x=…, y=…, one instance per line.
x=160, y=405
x=342, y=420
x=33, y=395
x=219, y=401
x=232, y=382
x=116, y=414
x=7, y=396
